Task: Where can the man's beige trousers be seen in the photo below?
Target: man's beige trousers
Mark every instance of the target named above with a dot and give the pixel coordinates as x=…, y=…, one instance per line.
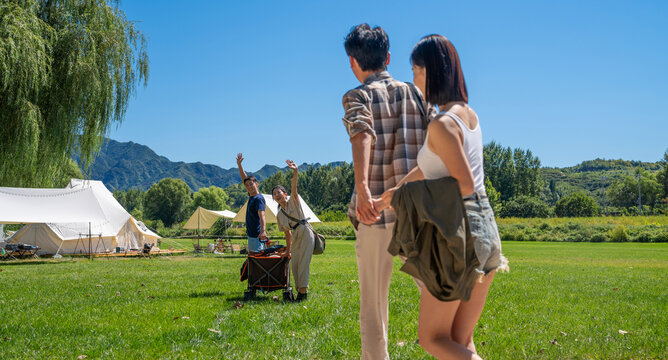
x=374, y=265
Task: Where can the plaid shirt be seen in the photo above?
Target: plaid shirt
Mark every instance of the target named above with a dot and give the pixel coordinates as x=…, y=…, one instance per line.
x=388, y=110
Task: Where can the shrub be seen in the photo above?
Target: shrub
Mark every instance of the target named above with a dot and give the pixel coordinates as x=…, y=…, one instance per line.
x=332, y=215
x=598, y=237
x=576, y=205
x=618, y=234
x=525, y=207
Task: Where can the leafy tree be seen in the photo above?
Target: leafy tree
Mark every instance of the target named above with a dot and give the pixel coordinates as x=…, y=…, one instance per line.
x=67, y=70
x=212, y=198
x=322, y=187
x=524, y=206
x=662, y=177
x=624, y=192
x=493, y=196
x=168, y=201
x=132, y=200
x=283, y=178
x=237, y=196
x=512, y=172
x=71, y=171
x=576, y=205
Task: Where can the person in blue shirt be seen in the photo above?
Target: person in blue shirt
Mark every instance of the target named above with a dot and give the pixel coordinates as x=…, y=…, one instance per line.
x=256, y=225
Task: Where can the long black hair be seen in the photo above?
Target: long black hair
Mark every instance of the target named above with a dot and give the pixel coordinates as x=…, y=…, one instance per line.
x=444, y=78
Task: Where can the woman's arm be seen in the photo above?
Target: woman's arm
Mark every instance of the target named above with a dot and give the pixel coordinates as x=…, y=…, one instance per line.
x=288, y=243
x=295, y=178
x=385, y=200
x=446, y=140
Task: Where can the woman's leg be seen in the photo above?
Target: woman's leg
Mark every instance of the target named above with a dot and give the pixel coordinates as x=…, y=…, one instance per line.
x=302, y=249
x=469, y=312
x=434, y=328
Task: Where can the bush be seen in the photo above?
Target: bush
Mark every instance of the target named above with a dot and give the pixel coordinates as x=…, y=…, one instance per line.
x=576, y=205
x=525, y=207
x=618, y=234
x=332, y=215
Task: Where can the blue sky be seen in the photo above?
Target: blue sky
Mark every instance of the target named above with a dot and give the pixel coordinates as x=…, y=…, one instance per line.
x=569, y=80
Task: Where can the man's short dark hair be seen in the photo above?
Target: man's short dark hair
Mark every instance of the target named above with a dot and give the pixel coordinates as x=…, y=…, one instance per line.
x=444, y=77
x=251, y=178
x=368, y=46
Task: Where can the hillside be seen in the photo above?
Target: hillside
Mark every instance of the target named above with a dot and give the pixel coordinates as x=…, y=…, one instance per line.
x=125, y=165
x=592, y=176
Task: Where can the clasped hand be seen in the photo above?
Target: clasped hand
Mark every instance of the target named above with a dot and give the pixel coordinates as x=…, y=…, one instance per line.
x=369, y=209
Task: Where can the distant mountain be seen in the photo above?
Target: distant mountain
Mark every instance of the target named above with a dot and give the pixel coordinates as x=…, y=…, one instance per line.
x=125, y=165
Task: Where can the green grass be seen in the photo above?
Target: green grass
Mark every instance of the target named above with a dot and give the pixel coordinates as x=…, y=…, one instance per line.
x=164, y=307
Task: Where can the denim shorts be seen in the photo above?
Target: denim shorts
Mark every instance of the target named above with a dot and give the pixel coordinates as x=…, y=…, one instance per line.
x=254, y=244
x=487, y=242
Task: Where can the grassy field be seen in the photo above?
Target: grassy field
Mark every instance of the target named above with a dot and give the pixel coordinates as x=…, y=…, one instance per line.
x=560, y=301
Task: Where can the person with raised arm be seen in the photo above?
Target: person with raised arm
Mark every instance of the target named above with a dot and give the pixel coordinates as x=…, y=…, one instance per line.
x=256, y=225
x=298, y=233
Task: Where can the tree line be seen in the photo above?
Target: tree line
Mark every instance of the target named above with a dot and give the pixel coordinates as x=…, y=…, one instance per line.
x=513, y=182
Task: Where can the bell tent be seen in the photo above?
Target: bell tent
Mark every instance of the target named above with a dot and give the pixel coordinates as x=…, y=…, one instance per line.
x=117, y=228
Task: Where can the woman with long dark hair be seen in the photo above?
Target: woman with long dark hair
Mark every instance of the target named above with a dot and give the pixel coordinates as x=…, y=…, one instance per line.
x=453, y=147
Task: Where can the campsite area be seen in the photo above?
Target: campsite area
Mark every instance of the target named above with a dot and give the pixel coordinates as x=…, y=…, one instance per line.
x=560, y=300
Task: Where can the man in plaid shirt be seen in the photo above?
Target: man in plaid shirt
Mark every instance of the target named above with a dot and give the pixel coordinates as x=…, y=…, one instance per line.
x=384, y=119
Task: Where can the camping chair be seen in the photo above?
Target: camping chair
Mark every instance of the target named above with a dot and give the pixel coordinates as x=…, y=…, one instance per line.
x=235, y=247
x=6, y=254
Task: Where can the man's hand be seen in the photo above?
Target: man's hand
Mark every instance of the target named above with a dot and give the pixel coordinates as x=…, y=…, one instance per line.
x=240, y=158
x=365, y=210
x=263, y=235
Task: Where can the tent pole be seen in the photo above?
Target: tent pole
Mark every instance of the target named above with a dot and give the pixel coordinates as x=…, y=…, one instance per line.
x=198, y=212
x=90, y=243
x=61, y=245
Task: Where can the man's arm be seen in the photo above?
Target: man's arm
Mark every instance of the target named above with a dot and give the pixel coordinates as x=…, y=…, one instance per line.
x=242, y=173
x=365, y=211
x=263, y=225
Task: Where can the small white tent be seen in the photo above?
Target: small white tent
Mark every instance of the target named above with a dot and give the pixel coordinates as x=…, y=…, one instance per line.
x=116, y=229
x=204, y=218
x=272, y=210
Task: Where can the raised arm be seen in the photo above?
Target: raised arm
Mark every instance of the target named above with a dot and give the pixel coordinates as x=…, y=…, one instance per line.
x=295, y=177
x=242, y=173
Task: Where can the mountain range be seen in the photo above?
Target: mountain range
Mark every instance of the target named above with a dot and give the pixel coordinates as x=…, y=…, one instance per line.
x=126, y=165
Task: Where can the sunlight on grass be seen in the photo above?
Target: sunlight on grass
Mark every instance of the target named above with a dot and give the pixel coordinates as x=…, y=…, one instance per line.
x=560, y=300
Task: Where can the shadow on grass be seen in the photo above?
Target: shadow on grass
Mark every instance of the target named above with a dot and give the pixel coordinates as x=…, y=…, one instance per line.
x=206, y=294
x=30, y=262
x=259, y=298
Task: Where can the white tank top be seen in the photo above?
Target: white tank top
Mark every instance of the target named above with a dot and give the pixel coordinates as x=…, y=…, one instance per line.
x=433, y=167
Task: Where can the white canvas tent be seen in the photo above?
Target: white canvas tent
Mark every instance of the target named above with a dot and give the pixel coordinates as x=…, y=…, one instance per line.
x=29, y=205
x=204, y=218
x=116, y=229
x=272, y=210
